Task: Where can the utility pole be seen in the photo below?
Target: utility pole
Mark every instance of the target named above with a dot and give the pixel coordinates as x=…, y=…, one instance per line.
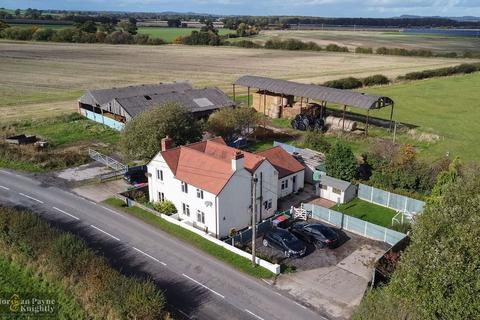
x=254, y=213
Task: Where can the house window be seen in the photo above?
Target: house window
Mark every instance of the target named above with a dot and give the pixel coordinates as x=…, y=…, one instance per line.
x=161, y=196
x=186, y=209
x=160, y=175
x=284, y=184
x=200, y=193
x=267, y=204
x=201, y=217
x=324, y=187
x=337, y=191
x=184, y=187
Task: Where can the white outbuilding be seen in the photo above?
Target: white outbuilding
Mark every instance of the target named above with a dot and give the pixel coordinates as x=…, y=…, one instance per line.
x=336, y=190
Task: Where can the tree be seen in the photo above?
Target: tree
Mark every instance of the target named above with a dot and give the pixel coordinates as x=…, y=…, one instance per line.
x=87, y=26
x=438, y=276
x=141, y=136
x=232, y=122
x=340, y=162
x=3, y=25
x=18, y=12
x=129, y=26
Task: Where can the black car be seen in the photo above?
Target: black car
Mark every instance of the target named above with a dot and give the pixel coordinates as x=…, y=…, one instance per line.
x=136, y=175
x=283, y=240
x=315, y=233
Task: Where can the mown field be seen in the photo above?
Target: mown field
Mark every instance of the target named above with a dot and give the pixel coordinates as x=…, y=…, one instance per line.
x=43, y=79
x=40, y=80
x=169, y=34
x=375, y=39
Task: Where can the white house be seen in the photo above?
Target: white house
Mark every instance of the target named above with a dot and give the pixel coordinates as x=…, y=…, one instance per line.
x=210, y=184
x=336, y=190
x=291, y=173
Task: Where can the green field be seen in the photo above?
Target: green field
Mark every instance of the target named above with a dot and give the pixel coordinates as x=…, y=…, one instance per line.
x=51, y=26
x=169, y=34
x=367, y=211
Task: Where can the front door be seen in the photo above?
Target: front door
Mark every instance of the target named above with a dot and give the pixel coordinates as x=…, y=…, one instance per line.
x=294, y=182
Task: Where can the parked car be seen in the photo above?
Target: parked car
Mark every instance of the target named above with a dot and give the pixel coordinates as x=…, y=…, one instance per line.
x=315, y=233
x=136, y=175
x=284, y=241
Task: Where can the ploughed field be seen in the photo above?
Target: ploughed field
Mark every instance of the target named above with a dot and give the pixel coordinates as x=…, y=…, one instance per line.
x=45, y=79
x=374, y=39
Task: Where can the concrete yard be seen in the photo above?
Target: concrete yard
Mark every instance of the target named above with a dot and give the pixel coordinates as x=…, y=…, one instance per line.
x=331, y=281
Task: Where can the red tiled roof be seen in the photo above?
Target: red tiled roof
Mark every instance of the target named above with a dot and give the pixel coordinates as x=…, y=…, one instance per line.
x=207, y=164
x=283, y=161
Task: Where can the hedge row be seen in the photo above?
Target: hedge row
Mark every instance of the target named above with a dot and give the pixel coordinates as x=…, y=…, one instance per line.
x=442, y=72
x=66, y=260
x=354, y=83
x=74, y=35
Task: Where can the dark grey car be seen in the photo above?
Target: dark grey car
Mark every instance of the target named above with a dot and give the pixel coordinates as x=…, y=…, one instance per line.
x=284, y=241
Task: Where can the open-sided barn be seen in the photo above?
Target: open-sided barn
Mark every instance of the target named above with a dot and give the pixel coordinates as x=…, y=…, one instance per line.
x=116, y=106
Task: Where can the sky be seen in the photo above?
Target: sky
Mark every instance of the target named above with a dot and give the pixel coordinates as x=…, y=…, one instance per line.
x=323, y=8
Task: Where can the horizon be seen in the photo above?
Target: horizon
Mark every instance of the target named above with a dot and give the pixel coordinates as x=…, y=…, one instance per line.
x=306, y=8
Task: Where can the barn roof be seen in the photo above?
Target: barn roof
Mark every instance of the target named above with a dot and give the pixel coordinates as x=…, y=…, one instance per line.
x=316, y=92
x=195, y=100
x=104, y=96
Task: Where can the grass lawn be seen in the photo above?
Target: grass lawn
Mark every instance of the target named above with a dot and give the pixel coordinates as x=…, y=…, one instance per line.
x=20, y=279
x=70, y=129
x=193, y=239
x=367, y=211
x=169, y=34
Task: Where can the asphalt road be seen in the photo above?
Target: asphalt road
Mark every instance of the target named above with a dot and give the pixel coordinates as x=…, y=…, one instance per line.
x=196, y=285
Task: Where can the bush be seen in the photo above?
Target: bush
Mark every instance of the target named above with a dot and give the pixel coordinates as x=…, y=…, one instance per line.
x=166, y=207
x=291, y=44
x=443, y=72
x=336, y=48
x=16, y=33
x=46, y=34
x=340, y=162
x=119, y=37
x=245, y=44
x=345, y=83
x=375, y=80
x=363, y=50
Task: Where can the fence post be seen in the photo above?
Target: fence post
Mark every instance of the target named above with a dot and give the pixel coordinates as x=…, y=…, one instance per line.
x=371, y=194
x=388, y=200
x=406, y=203
x=365, y=231
x=346, y=222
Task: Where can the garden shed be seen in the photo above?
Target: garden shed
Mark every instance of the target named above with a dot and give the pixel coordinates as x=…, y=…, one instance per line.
x=336, y=190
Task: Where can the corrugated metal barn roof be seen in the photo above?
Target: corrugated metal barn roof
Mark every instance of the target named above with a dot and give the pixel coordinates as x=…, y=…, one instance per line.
x=195, y=100
x=104, y=96
x=316, y=92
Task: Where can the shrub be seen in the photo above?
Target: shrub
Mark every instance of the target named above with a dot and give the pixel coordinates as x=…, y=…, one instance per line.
x=340, y=162
x=165, y=207
x=375, y=80
x=16, y=33
x=46, y=34
x=119, y=37
x=345, y=83
x=336, y=48
x=363, y=50
x=245, y=44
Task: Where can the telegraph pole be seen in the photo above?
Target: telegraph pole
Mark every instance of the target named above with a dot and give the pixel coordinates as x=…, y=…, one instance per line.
x=254, y=213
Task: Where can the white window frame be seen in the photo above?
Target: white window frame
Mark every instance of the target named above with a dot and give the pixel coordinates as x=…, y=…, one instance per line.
x=159, y=174
x=199, y=193
x=334, y=190
x=186, y=209
x=201, y=215
x=161, y=196
x=284, y=184
x=184, y=187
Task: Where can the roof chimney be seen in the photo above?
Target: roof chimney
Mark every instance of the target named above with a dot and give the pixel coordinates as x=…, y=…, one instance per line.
x=166, y=143
x=238, y=161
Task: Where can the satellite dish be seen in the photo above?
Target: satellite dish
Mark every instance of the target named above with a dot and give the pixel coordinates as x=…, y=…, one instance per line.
x=208, y=203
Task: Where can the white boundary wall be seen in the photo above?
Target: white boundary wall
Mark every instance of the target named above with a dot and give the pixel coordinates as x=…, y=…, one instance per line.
x=274, y=268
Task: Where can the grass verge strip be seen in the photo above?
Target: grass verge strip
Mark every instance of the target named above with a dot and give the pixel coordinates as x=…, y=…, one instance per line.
x=236, y=261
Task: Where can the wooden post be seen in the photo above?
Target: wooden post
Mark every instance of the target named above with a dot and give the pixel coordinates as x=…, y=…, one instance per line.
x=391, y=117
x=233, y=87
x=343, y=118
x=248, y=96
x=301, y=103
x=366, y=124
x=264, y=107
